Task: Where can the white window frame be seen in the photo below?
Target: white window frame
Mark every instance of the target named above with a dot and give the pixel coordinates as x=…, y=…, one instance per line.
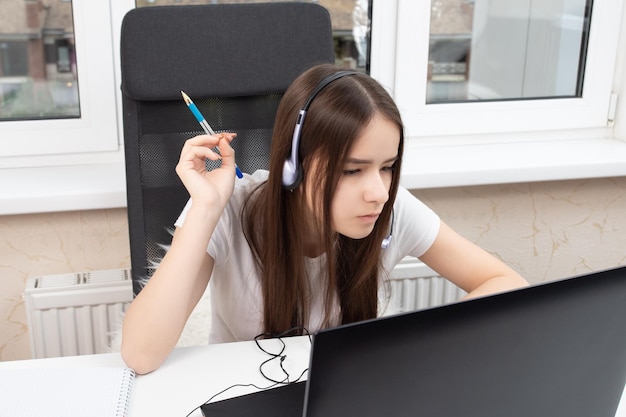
x=590, y=111
x=96, y=130
x=498, y=142
x=67, y=165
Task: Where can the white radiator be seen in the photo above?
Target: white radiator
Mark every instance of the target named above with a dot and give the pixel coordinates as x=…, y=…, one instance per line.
x=414, y=286
x=75, y=314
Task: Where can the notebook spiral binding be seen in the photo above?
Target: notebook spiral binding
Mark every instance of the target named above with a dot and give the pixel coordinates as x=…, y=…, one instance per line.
x=124, y=400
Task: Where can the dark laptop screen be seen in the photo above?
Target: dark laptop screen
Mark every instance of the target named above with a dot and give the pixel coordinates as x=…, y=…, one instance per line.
x=553, y=349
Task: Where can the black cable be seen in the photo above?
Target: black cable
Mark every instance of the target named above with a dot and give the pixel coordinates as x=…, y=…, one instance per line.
x=280, y=355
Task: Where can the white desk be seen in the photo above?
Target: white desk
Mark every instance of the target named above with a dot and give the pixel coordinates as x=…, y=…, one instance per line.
x=191, y=375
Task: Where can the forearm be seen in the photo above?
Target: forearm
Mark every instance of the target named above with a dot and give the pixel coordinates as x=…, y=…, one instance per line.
x=155, y=319
x=468, y=266
x=498, y=284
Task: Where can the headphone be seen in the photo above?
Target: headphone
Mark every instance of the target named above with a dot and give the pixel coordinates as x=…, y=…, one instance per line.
x=292, y=171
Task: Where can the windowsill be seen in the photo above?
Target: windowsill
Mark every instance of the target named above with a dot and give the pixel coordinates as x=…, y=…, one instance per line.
x=103, y=186
x=502, y=163
x=62, y=188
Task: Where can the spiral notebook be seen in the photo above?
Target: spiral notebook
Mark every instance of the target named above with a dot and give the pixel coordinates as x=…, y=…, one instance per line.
x=65, y=392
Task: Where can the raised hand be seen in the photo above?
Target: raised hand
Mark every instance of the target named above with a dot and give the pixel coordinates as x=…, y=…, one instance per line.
x=214, y=187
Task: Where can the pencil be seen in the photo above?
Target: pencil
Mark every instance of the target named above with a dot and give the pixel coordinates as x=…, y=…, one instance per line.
x=203, y=123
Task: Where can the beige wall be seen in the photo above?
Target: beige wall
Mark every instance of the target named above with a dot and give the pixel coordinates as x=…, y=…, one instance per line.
x=54, y=243
x=544, y=230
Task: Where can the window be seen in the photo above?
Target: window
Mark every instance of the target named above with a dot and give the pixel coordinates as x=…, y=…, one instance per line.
x=501, y=141
x=70, y=161
x=432, y=115
x=14, y=59
x=57, y=88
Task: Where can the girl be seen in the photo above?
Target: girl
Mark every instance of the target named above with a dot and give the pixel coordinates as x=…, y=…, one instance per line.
x=308, y=244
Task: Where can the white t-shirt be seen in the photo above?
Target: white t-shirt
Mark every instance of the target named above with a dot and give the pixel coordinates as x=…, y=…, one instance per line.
x=236, y=299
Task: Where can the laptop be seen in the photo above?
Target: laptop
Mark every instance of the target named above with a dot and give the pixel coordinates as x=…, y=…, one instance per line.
x=553, y=349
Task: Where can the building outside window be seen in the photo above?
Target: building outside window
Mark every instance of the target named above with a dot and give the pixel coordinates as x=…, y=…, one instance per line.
x=38, y=77
x=482, y=50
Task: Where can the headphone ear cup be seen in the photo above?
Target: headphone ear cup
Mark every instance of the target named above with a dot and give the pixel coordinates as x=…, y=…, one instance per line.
x=292, y=170
x=292, y=175
x=289, y=173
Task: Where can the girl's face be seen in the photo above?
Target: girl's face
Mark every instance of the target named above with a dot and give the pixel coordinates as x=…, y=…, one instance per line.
x=363, y=188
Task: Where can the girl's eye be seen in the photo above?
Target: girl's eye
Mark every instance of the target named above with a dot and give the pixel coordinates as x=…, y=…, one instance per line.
x=389, y=168
x=351, y=171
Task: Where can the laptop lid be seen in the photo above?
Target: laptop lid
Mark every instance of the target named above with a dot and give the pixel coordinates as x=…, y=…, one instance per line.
x=551, y=349
x=282, y=401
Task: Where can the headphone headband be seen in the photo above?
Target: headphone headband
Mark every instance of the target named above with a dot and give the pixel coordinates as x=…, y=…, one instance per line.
x=292, y=171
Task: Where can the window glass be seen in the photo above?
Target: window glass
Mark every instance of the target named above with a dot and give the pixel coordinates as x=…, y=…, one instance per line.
x=38, y=74
x=506, y=49
x=508, y=67
x=350, y=20
x=58, y=80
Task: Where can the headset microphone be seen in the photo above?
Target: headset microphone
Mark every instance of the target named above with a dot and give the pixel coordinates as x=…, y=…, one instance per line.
x=387, y=240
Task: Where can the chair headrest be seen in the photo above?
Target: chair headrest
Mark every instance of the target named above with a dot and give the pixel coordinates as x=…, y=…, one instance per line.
x=221, y=50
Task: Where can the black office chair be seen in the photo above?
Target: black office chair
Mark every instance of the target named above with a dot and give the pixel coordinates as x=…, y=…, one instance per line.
x=234, y=61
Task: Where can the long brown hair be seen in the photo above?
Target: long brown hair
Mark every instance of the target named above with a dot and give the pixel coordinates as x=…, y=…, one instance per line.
x=273, y=216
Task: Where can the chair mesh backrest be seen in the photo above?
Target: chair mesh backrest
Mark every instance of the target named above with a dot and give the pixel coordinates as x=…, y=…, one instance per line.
x=235, y=62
